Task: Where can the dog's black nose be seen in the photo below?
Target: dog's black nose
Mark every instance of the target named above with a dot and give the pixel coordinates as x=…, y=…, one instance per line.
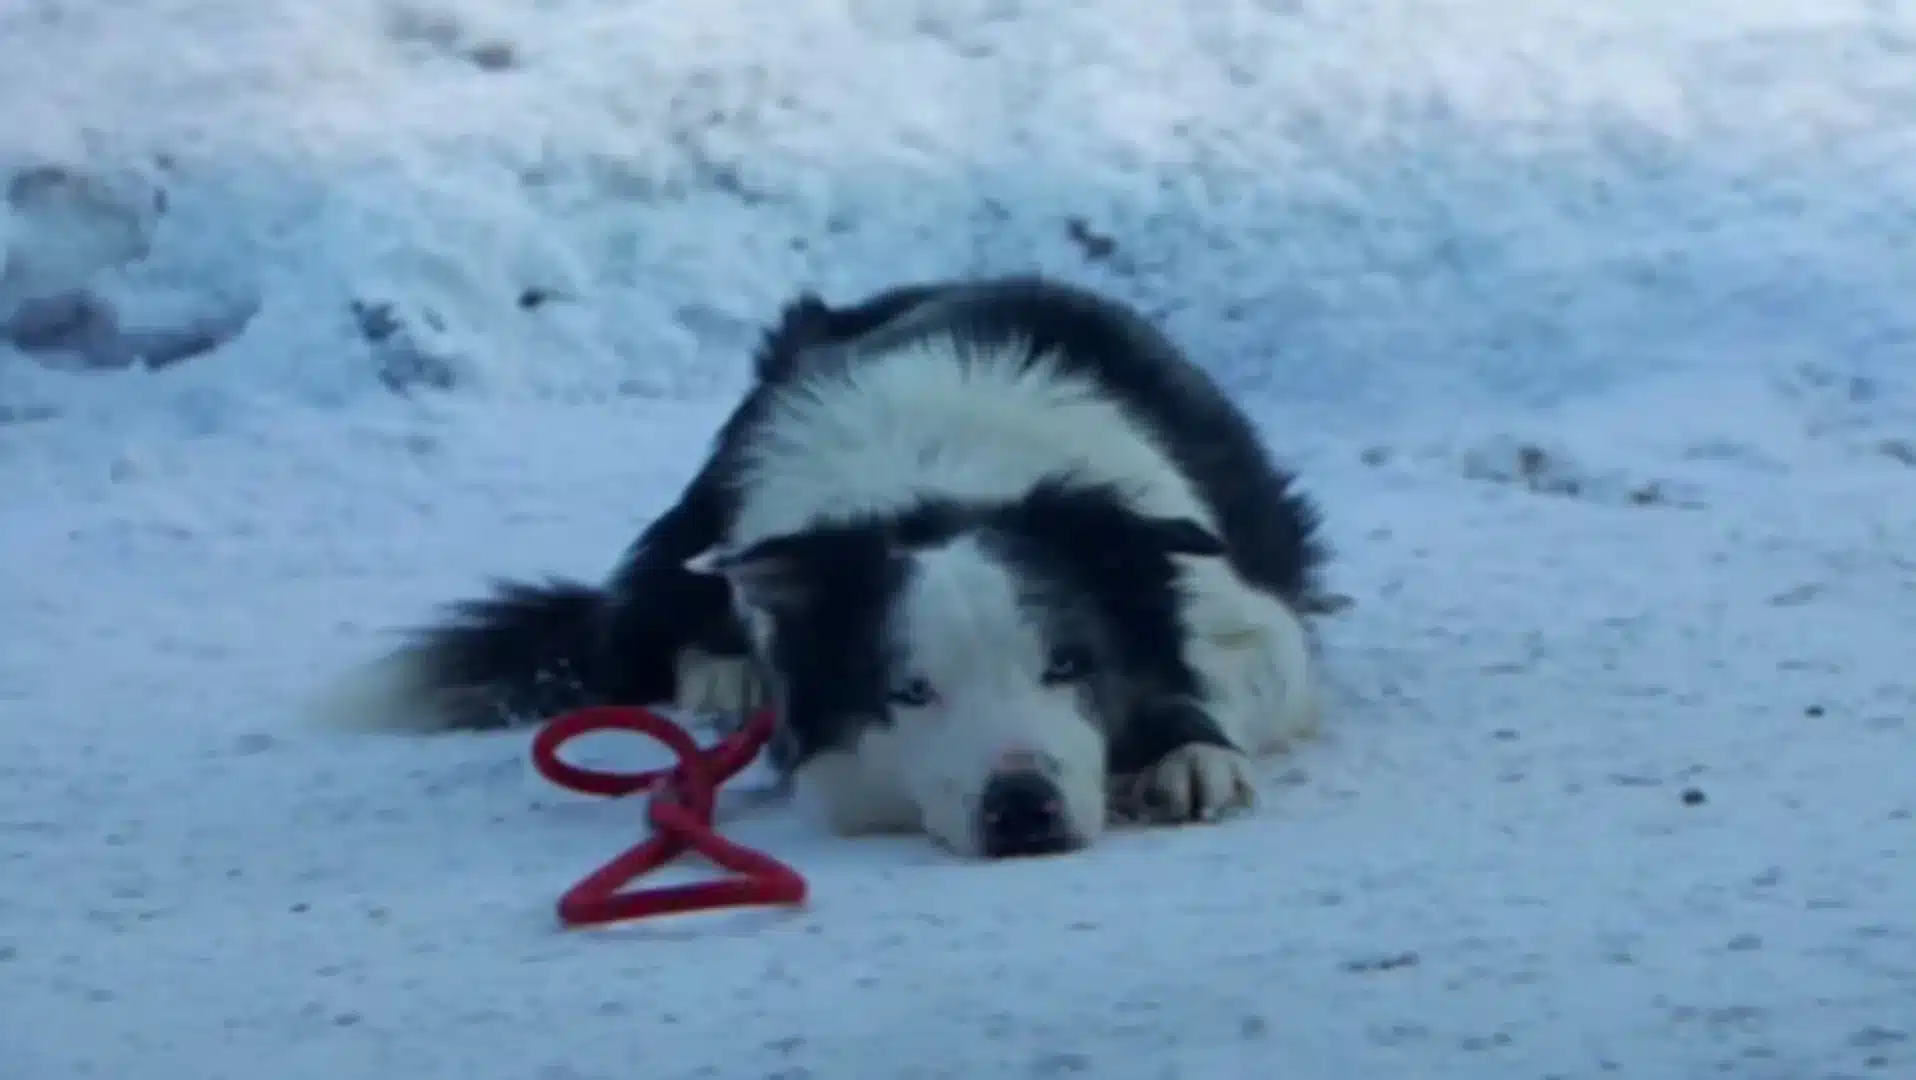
x=1022, y=813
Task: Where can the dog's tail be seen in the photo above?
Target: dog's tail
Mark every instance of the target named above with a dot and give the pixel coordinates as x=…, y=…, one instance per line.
x=657, y=633
x=520, y=654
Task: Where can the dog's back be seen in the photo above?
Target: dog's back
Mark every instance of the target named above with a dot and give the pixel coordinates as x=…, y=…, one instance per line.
x=1271, y=531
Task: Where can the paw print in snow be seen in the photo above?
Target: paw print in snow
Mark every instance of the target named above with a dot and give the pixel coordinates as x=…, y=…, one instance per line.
x=413, y=347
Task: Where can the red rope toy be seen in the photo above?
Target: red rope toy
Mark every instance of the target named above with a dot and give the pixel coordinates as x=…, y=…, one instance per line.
x=683, y=799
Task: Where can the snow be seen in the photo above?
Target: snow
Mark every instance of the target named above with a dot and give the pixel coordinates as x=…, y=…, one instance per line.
x=1589, y=323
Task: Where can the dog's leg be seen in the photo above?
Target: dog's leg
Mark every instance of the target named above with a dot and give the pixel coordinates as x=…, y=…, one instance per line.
x=1194, y=760
x=1175, y=763
x=1254, y=659
x=717, y=684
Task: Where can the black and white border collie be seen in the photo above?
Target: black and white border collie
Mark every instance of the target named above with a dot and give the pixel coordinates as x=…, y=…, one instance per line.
x=1007, y=564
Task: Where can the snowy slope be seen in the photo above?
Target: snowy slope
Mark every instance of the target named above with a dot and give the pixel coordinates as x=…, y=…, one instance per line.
x=1591, y=324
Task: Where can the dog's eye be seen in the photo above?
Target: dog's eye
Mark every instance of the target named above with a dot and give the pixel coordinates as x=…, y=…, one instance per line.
x=914, y=693
x=1068, y=663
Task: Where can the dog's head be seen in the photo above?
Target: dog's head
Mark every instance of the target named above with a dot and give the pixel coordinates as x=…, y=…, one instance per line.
x=979, y=660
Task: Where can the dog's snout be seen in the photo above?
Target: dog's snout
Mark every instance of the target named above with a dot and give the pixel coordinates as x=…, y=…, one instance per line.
x=1022, y=812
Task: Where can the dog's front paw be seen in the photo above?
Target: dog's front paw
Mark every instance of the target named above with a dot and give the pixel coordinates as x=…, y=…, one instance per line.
x=727, y=686
x=1195, y=782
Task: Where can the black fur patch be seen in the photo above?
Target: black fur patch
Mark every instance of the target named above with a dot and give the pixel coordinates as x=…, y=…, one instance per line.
x=522, y=651
x=1155, y=730
x=829, y=592
x=656, y=609
x=1086, y=540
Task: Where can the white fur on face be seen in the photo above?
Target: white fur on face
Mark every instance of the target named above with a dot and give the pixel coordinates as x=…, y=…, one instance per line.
x=855, y=793
x=968, y=677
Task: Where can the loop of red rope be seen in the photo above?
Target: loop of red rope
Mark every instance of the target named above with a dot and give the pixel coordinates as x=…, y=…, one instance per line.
x=683, y=799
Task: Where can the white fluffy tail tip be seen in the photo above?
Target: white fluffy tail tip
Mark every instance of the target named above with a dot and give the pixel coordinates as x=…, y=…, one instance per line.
x=390, y=695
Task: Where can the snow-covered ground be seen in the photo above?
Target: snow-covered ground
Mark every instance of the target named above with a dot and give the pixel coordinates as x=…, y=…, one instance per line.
x=1591, y=323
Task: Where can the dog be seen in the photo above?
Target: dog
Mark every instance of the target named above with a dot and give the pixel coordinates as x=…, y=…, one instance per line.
x=1007, y=564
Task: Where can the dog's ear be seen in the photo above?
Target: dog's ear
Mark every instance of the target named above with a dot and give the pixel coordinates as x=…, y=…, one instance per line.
x=769, y=575
x=783, y=574
x=1182, y=536
x=1101, y=520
